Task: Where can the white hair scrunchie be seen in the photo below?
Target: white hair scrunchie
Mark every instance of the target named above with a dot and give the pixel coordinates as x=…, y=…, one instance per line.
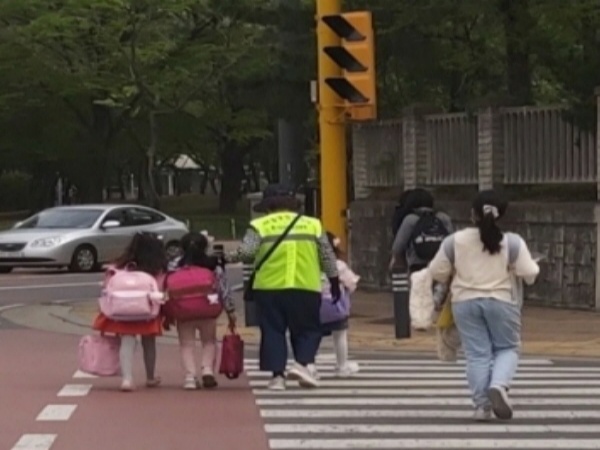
x=491, y=209
x=336, y=242
x=208, y=237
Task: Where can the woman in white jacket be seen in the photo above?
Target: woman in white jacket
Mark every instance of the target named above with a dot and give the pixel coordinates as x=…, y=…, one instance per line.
x=483, y=262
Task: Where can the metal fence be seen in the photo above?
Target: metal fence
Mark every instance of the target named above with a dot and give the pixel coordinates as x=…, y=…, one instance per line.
x=536, y=145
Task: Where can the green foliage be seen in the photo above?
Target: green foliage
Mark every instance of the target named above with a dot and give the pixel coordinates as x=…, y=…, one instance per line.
x=14, y=191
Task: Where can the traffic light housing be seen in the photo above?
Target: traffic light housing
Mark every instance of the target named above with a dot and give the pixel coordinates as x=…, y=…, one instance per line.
x=356, y=57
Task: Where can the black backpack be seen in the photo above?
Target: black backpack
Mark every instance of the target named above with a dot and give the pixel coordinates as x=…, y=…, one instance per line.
x=427, y=236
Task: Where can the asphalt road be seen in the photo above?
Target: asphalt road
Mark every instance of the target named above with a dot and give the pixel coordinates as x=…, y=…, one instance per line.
x=30, y=287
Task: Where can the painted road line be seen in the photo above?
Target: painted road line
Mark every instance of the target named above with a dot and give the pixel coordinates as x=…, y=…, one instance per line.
x=335, y=428
x=341, y=444
x=418, y=401
x=464, y=413
x=350, y=392
x=75, y=390
x=13, y=306
x=436, y=383
x=80, y=374
x=366, y=368
x=419, y=362
x=52, y=413
x=442, y=375
x=48, y=286
x=35, y=442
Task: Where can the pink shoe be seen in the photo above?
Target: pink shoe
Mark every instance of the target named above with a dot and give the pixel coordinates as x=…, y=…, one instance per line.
x=127, y=386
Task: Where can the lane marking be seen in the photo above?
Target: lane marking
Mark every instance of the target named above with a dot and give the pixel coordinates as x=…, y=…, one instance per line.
x=406, y=392
x=421, y=369
x=334, y=428
x=75, y=390
x=418, y=401
x=331, y=444
x=13, y=306
x=416, y=414
x=434, y=383
x=47, y=286
x=52, y=413
x=418, y=362
x=80, y=374
x=441, y=376
x=35, y=442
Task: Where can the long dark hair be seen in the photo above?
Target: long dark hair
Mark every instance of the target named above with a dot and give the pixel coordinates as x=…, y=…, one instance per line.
x=488, y=208
x=146, y=253
x=195, y=252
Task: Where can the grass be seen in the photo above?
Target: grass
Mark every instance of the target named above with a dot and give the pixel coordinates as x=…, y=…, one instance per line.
x=201, y=212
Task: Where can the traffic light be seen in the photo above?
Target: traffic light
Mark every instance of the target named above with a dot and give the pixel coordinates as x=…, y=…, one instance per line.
x=356, y=57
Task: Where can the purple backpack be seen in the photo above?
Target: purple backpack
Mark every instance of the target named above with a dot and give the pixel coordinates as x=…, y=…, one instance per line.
x=334, y=312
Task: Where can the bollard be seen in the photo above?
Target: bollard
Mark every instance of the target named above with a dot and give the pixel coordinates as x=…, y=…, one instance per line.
x=249, y=307
x=400, y=289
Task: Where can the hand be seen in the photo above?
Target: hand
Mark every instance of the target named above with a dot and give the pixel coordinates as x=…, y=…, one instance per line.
x=232, y=319
x=336, y=292
x=392, y=264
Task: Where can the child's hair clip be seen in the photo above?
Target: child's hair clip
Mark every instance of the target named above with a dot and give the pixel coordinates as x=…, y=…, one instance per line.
x=336, y=242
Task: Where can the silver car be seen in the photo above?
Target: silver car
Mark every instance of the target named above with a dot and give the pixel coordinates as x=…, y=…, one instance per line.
x=84, y=237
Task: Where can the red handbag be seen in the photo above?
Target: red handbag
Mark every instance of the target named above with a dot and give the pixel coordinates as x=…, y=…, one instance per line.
x=232, y=355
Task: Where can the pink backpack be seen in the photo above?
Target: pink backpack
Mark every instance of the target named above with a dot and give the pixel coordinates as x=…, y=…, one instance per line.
x=99, y=355
x=192, y=294
x=130, y=296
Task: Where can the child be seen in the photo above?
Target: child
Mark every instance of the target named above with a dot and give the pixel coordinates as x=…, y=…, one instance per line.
x=146, y=253
x=195, y=248
x=339, y=329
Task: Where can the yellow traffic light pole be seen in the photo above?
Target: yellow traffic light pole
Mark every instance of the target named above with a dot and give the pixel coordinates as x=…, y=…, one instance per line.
x=332, y=130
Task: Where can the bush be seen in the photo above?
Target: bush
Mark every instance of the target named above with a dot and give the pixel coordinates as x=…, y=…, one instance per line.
x=15, y=192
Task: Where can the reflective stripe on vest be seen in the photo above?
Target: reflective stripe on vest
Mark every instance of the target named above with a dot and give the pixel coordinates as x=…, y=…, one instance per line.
x=295, y=263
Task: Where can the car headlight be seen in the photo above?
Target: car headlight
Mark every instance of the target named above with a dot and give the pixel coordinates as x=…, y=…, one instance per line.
x=46, y=242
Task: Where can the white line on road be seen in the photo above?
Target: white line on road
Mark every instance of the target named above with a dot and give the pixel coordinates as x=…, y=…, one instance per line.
x=13, y=306
x=418, y=401
x=419, y=362
x=341, y=444
x=80, y=374
x=334, y=428
x=35, y=442
x=456, y=383
x=415, y=414
x=47, y=286
x=365, y=368
x=52, y=413
x=401, y=391
x=75, y=390
x=438, y=376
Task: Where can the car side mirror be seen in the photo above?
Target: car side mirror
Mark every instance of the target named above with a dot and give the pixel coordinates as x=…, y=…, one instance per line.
x=111, y=224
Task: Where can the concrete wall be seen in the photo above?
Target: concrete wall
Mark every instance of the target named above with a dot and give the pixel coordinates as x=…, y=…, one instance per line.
x=566, y=233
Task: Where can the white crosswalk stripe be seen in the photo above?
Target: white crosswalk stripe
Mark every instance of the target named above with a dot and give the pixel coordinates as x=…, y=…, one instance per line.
x=425, y=404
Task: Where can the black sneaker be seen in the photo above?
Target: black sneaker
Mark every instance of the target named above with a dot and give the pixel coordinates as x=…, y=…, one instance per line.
x=209, y=382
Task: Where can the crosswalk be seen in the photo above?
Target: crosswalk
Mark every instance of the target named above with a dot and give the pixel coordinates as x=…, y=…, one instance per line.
x=425, y=404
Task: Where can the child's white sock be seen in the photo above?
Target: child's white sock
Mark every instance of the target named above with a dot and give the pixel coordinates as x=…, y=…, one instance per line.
x=340, y=345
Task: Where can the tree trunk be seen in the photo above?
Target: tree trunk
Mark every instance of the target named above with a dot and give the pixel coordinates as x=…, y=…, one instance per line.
x=232, y=166
x=151, y=194
x=518, y=23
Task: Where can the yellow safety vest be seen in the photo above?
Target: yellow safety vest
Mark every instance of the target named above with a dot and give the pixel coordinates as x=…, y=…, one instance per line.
x=295, y=263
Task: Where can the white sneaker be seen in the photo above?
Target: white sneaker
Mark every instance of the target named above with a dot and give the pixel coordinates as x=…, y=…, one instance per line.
x=347, y=370
x=482, y=415
x=190, y=383
x=277, y=384
x=314, y=372
x=501, y=406
x=304, y=376
x=127, y=386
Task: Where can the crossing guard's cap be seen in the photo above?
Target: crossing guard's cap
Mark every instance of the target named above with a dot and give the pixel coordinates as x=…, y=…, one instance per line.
x=273, y=191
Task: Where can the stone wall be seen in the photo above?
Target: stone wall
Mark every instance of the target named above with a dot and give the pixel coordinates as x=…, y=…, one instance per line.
x=566, y=233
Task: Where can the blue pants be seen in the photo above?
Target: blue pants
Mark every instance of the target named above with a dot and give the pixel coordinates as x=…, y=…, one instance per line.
x=490, y=332
x=283, y=310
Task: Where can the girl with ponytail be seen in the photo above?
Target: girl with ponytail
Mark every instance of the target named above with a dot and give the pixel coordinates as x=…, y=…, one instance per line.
x=483, y=261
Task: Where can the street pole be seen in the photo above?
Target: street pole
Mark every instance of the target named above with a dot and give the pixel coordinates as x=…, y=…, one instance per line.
x=332, y=130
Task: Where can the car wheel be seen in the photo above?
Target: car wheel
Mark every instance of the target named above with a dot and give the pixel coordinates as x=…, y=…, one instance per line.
x=6, y=269
x=85, y=259
x=173, y=250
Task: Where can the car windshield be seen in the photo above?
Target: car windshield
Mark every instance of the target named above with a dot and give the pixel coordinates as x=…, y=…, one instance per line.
x=63, y=218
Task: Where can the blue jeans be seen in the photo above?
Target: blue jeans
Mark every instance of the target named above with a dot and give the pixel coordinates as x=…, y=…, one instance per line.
x=490, y=332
